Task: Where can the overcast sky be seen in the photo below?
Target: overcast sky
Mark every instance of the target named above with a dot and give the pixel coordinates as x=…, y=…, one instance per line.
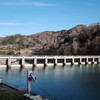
x=32, y=16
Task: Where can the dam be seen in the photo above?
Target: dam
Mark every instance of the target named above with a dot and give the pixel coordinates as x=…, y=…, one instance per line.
x=35, y=61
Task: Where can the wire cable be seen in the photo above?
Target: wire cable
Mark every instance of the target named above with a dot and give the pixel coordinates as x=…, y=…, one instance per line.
x=44, y=91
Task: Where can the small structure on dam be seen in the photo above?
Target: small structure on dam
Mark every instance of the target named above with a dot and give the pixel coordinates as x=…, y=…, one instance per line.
x=48, y=60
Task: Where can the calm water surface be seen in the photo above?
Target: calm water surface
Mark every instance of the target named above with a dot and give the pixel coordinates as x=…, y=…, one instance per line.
x=62, y=83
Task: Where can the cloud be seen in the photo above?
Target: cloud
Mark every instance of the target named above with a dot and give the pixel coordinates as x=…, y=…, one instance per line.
x=9, y=23
x=25, y=4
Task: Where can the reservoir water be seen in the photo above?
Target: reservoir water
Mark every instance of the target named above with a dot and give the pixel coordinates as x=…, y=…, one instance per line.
x=80, y=82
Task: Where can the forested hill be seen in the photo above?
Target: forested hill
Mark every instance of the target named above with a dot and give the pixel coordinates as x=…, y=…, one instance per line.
x=80, y=40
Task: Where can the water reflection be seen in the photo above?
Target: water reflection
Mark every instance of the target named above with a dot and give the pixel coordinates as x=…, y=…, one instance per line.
x=21, y=69
x=8, y=70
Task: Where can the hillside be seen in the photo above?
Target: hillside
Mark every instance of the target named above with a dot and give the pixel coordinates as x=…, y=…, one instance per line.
x=80, y=40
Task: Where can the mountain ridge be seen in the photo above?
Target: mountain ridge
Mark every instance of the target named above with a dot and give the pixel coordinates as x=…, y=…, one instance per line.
x=61, y=42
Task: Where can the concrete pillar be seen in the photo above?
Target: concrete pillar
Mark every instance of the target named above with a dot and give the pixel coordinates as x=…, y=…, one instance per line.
x=64, y=61
x=46, y=61
x=35, y=62
x=55, y=63
x=73, y=60
x=98, y=59
x=9, y=62
x=93, y=61
x=86, y=60
x=23, y=62
x=80, y=60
